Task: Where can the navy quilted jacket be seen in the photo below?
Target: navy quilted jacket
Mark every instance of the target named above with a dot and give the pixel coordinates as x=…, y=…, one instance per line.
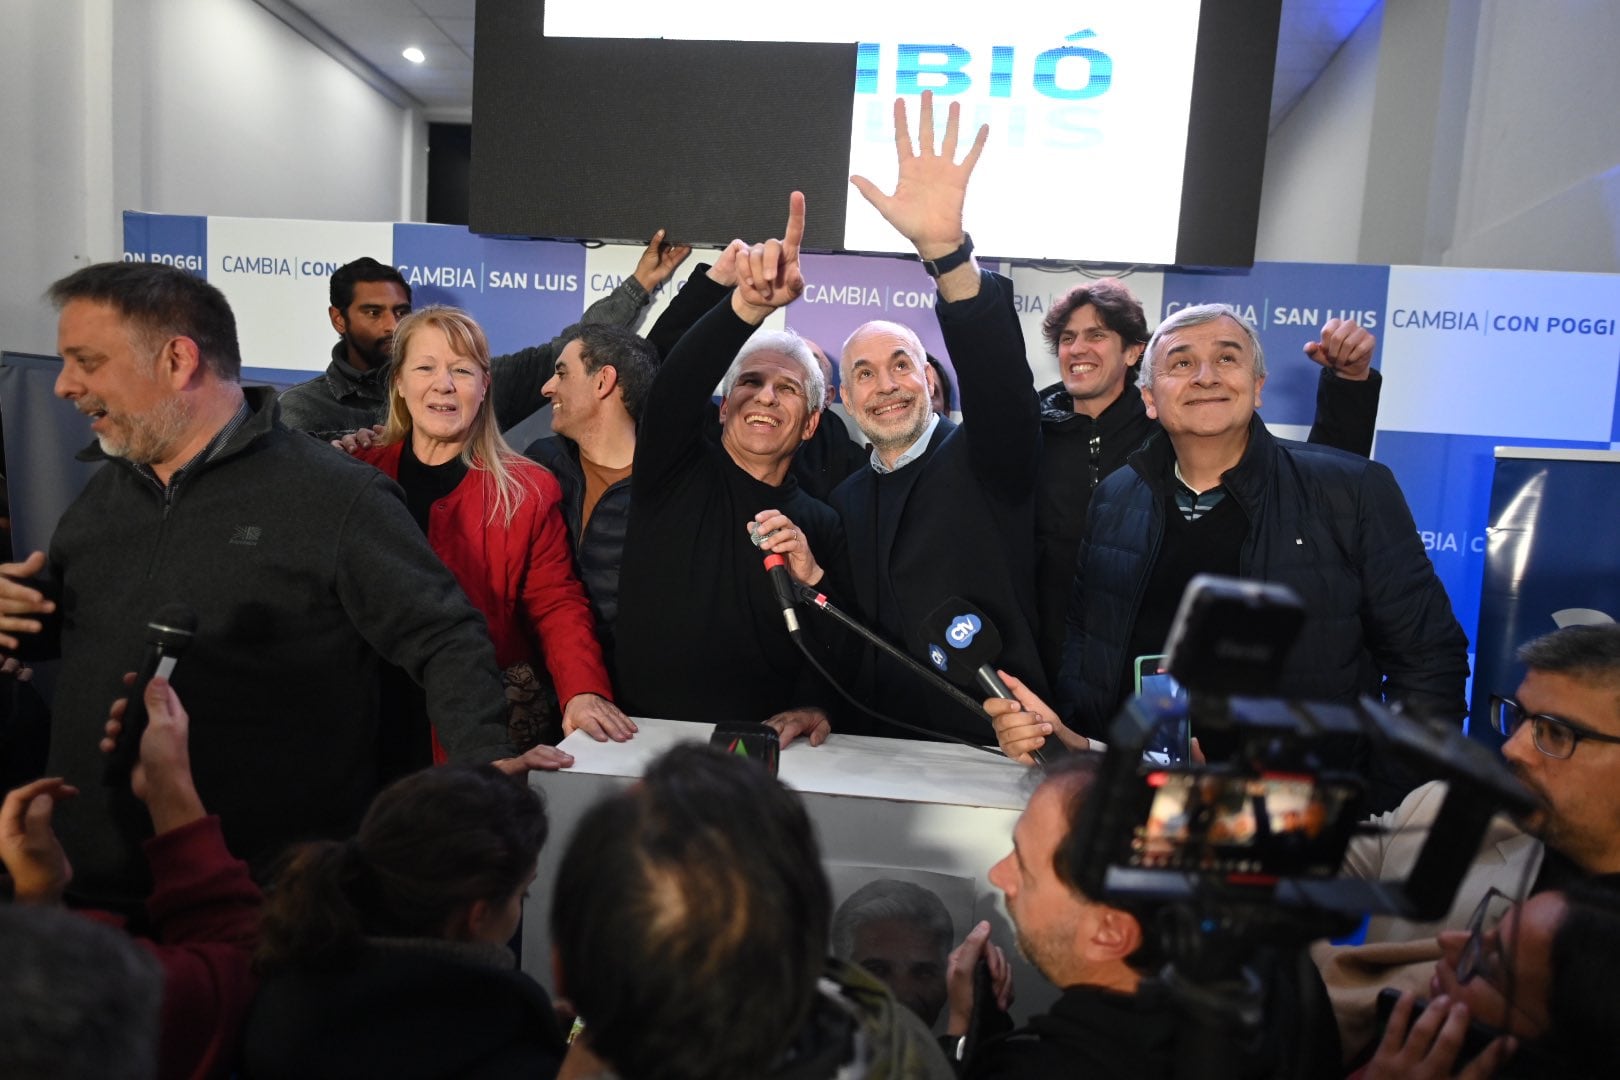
x=1332, y=526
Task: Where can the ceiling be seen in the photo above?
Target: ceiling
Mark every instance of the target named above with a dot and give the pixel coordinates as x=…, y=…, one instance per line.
x=368, y=36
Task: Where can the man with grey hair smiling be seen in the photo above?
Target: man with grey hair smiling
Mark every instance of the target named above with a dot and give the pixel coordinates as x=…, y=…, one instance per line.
x=1215, y=492
x=700, y=631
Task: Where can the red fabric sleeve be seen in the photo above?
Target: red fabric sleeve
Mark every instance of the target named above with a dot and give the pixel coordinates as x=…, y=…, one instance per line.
x=205, y=915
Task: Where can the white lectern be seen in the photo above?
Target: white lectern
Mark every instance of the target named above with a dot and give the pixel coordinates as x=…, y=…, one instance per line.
x=939, y=808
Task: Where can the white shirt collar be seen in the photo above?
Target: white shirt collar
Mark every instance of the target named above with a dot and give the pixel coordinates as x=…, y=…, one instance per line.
x=913, y=452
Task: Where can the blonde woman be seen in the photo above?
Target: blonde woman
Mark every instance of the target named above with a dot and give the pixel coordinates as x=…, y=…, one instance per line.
x=491, y=515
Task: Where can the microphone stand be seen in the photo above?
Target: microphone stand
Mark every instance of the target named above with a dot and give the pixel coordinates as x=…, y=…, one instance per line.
x=819, y=600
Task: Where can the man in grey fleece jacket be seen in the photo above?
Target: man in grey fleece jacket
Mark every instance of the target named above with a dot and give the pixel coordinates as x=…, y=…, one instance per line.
x=303, y=567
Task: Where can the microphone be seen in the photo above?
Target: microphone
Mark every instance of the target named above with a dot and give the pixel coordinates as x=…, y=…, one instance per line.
x=818, y=599
x=168, y=635
x=962, y=644
x=776, y=566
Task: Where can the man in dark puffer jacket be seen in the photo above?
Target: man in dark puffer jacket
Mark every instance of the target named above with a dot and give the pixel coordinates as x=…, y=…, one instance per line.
x=1217, y=493
x=1094, y=419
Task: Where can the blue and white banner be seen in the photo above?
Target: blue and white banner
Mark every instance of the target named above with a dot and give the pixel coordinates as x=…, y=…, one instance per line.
x=1288, y=303
x=1551, y=560
x=1472, y=359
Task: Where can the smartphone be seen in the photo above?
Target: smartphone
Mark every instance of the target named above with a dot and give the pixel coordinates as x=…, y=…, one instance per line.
x=1171, y=741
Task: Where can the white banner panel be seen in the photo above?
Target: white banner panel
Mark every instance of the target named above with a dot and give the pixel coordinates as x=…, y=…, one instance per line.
x=1511, y=353
x=276, y=274
x=608, y=265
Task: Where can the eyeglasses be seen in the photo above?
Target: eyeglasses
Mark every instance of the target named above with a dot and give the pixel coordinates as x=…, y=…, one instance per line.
x=1477, y=958
x=1554, y=736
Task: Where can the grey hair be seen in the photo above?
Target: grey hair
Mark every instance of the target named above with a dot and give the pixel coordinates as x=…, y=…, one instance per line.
x=1197, y=315
x=913, y=343
x=886, y=899
x=1589, y=653
x=791, y=345
x=81, y=999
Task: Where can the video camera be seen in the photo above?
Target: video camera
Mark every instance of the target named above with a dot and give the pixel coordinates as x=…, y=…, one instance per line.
x=1233, y=865
x=1268, y=823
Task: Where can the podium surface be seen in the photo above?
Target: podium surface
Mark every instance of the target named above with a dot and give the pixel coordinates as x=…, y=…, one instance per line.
x=881, y=807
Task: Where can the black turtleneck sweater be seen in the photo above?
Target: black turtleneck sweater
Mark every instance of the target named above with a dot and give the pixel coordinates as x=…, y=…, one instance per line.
x=700, y=634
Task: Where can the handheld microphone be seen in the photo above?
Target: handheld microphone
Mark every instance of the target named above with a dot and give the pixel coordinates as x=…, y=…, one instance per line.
x=776, y=566
x=962, y=644
x=168, y=636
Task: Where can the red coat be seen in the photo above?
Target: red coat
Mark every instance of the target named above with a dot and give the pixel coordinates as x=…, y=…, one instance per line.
x=521, y=576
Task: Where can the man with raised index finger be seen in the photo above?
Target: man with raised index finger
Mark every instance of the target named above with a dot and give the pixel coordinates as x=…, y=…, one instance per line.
x=701, y=636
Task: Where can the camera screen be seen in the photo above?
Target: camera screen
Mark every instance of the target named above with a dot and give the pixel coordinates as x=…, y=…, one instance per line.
x=1261, y=827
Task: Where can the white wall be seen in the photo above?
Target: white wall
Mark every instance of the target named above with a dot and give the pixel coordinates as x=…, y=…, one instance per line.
x=45, y=224
x=1540, y=169
x=184, y=107
x=1316, y=160
x=1476, y=133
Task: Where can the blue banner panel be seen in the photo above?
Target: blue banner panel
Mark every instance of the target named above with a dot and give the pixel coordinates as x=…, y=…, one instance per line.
x=1288, y=303
x=522, y=292
x=1614, y=430
x=173, y=239
x=1447, y=483
x=1552, y=561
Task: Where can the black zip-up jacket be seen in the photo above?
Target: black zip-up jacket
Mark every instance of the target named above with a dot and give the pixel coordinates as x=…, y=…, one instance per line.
x=599, y=548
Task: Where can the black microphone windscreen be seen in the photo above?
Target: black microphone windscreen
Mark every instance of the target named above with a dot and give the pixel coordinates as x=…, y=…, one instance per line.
x=172, y=627
x=960, y=639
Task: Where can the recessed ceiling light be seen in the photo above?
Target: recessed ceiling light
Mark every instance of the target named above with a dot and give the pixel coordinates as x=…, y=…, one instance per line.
x=414, y=55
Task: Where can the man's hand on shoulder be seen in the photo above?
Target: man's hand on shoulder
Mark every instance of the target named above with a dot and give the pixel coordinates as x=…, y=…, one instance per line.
x=356, y=441
x=1344, y=348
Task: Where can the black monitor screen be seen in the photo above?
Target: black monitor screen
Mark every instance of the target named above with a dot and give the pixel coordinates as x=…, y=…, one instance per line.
x=1120, y=132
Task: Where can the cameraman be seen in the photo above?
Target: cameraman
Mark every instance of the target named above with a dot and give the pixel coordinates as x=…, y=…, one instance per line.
x=1113, y=1019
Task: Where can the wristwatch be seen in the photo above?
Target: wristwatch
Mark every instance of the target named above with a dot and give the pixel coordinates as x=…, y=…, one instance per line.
x=946, y=263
